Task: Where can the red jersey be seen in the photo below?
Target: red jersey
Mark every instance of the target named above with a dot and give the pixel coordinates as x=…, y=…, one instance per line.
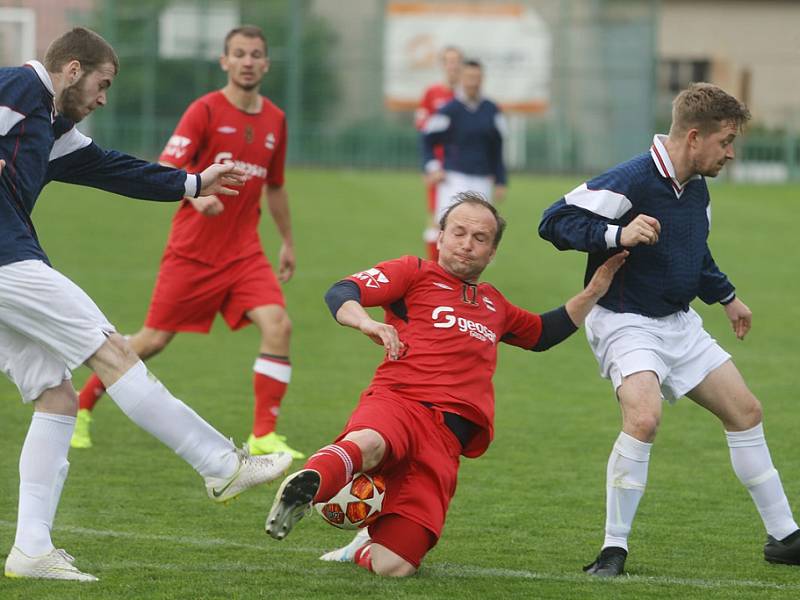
x=434, y=98
x=212, y=130
x=450, y=330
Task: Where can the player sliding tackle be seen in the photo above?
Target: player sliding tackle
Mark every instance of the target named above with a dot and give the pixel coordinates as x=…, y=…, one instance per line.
x=431, y=399
x=49, y=326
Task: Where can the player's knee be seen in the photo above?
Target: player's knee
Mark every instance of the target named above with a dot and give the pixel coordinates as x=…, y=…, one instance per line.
x=751, y=413
x=643, y=426
x=60, y=400
x=371, y=444
x=393, y=567
x=388, y=564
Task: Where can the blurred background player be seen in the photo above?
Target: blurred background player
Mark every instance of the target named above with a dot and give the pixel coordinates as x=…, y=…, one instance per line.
x=433, y=99
x=470, y=128
x=646, y=337
x=431, y=399
x=49, y=326
x=214, y=261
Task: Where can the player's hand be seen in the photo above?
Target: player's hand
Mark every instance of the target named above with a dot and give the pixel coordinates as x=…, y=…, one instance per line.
x=207, y=205
x=499, y=193
x=604, y=275
x=642, y=230
x=286, y=263
x=383, y=335
x=2, y=164
x=434, y=177
x=740, y=316
x=216, y=178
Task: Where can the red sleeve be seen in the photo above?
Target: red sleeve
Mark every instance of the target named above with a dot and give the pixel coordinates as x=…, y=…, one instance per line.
x=523, y=328
x=187, y=139
x=275, y=170
x=386, y=282
x=424, y=110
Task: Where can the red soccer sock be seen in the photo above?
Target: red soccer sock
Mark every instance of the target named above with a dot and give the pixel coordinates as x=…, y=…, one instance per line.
x=336, y=465
x=91, y=392
x=363, y=557
x=270, y=379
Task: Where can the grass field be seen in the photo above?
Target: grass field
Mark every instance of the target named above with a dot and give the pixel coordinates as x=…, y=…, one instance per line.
x=527, y=515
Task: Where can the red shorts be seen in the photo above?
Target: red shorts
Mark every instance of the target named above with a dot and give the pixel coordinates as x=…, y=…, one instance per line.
x=422, y=457
x=188, y=294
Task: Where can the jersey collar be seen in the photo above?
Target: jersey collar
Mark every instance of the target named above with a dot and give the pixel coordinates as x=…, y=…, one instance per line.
x=43, y=75
x=666, y=169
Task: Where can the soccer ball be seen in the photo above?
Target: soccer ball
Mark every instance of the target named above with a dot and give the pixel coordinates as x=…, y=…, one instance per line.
x=357, y=504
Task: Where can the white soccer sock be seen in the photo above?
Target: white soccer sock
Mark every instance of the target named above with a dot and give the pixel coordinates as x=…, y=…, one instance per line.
x=149, y=404
x=43, y=468
x=753, y=466
x=626, y=477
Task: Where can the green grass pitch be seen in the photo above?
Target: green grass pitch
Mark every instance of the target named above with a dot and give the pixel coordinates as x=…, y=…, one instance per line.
x=526, y=516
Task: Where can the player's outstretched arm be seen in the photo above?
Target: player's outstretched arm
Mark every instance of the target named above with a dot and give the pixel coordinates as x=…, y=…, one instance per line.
x=579, y=306
x=215, y=179
x=352, y=314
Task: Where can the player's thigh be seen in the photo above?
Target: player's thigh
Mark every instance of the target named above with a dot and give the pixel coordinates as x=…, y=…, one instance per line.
x=29, y=365
x=187, y=295
x=48, y=308
x=724, y=393
x=253, y=285
x=399, y=545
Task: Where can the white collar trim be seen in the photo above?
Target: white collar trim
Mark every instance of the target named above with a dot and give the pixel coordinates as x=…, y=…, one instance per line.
x=44, y=76
x=660, y=156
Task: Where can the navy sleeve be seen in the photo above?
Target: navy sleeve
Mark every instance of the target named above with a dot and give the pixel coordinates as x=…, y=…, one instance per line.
x=570, y=227
x=339, y=293
x=556, y=327
x=122, y=174
x=436, y=132
x=500, y=174
x=714, y=284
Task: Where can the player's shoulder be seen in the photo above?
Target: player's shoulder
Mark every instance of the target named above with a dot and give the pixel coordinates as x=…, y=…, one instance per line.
x=627, y=176
x=20, y=85
x=270, y=108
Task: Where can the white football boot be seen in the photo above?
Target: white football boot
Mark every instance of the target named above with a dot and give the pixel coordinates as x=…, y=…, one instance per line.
x=252, y=471
x=347, y=553
x=57, y=564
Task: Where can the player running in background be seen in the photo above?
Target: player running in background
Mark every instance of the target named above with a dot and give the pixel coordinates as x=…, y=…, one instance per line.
x=431, y=400
x=49, y=326
x=471, y=130
x=433, y=99
x=644, y=334
x=214, y=261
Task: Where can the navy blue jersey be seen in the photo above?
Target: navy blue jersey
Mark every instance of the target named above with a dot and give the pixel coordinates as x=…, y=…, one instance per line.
x=472, y=137
x=656, y=280
x=39, y=146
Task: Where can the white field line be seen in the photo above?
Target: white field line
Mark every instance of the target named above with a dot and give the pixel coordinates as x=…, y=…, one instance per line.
x=443, y=569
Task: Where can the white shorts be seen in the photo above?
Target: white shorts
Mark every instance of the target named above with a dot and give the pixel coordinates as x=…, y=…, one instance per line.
x=455, y=183
x=48, y=326
x=675, y=347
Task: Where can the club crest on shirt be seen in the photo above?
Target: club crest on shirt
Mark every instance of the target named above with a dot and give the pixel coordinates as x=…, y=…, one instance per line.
x=489, y=304
x=177, y=146
x=372, y=278
x=248, y=134
x=269, y=142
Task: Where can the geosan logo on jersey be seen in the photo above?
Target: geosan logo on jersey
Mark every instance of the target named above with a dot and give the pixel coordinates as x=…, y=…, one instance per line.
x=250, y=170
x=444, y=318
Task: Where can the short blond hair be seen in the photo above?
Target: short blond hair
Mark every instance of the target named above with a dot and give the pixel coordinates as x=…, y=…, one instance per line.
x=81, y=44
x=706, y=107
